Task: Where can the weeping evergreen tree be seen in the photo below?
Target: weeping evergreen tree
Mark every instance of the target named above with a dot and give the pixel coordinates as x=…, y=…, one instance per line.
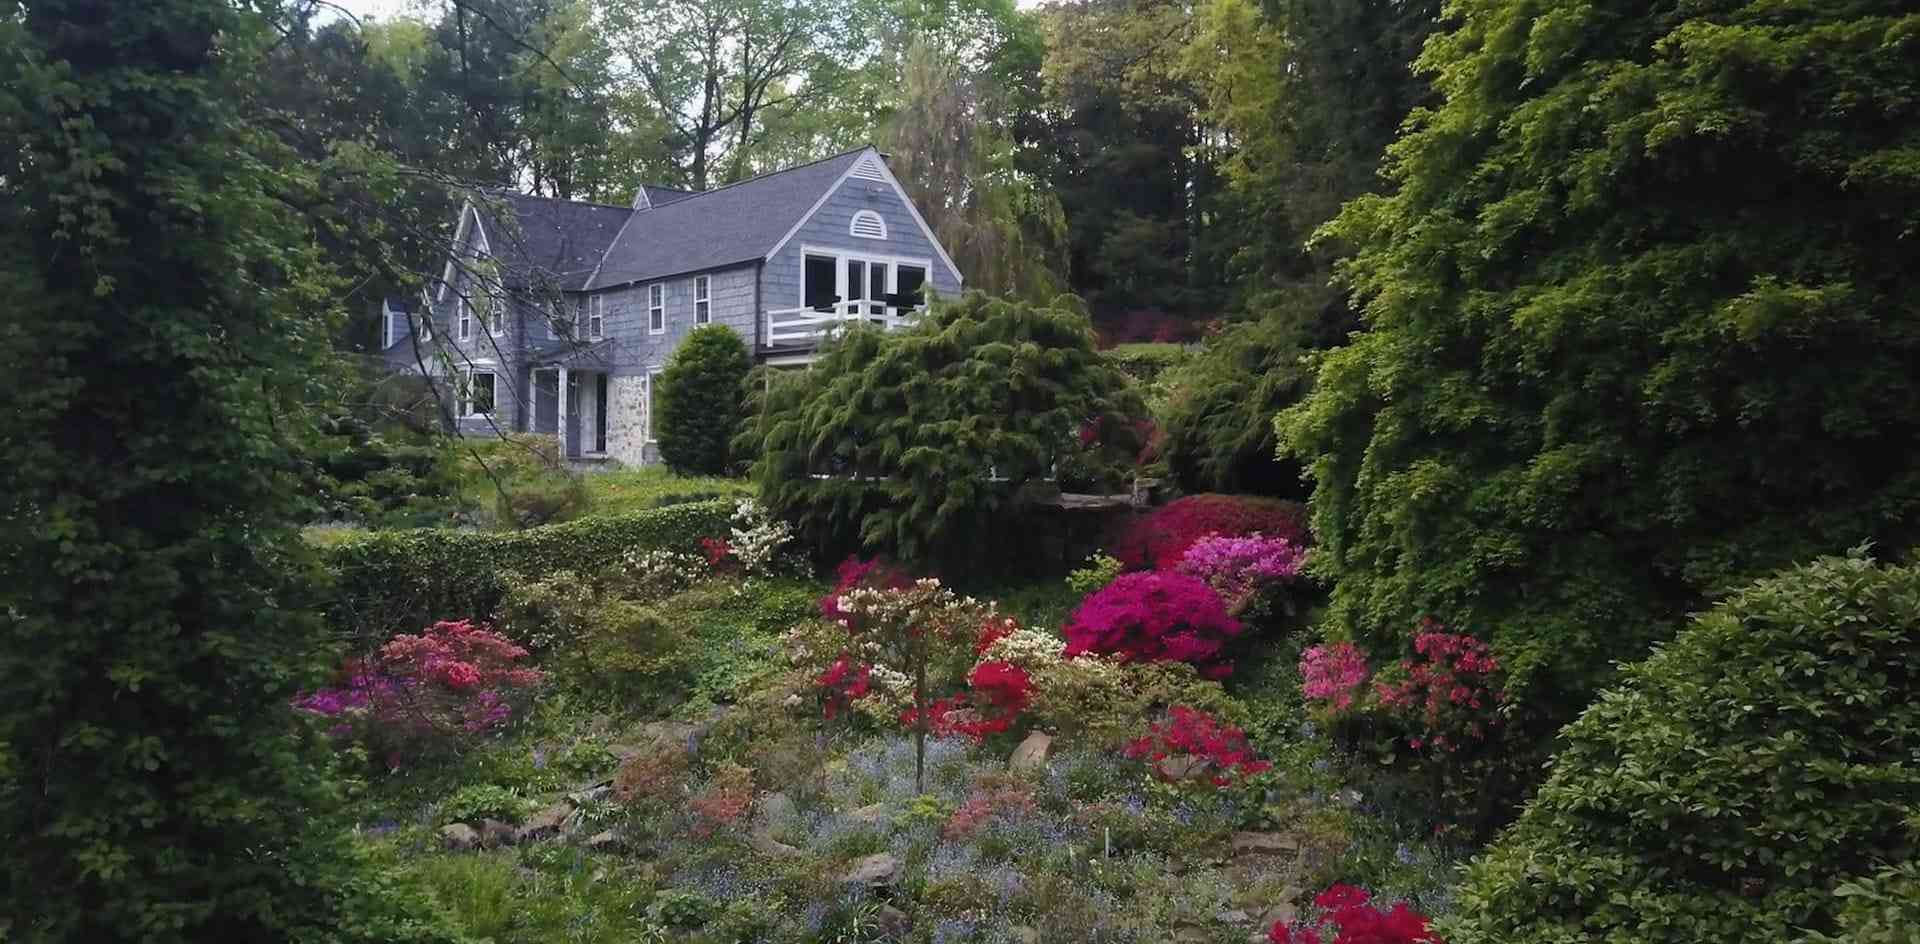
x=167, y=316
x=1644, y=313
x=923, y=445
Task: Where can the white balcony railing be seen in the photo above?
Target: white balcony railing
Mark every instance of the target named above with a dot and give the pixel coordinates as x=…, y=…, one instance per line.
x=810, y=325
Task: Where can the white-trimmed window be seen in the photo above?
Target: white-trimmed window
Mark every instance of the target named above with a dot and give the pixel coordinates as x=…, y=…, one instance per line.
x=653, y=387
x=596, y=317
x=867, y=225
x=657, y=308
x=496, y=313
x=477, y=392
x=702, y=299
x=465, y=319
x=861, y=284
x=390, y=326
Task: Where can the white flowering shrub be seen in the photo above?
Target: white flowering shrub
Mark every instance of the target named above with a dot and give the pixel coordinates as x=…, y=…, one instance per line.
x=759, y=541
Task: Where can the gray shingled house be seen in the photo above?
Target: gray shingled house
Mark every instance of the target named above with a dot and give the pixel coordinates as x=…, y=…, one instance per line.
x=542, y=296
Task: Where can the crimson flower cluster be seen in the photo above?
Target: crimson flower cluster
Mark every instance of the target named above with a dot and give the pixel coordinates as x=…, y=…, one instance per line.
x=1192, y=733
x=999, y=692
x=1348, y=916
x=1155, y=617
x=716, y=550
x=985, y=805
x=843, y=683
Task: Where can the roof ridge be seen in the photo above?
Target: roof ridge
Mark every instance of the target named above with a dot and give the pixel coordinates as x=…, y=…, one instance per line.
x=775, y=173
x=501, y=191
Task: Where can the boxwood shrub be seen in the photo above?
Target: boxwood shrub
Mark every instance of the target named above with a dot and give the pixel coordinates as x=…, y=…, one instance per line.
x=392, y=581
x=1731, y=783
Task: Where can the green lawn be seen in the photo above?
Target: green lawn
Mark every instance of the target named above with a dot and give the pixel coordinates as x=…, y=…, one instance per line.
x=654, y=486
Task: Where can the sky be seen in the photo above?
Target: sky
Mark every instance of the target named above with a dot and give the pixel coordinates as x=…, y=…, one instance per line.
x=382, y=9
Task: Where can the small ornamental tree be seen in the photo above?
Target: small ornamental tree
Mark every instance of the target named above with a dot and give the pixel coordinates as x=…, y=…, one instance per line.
x=921, y=444
x=700, y=401
x=1730, y=783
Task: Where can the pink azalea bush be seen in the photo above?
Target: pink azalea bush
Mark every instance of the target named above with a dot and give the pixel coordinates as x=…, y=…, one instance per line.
x=1155, y=617
x=1203, y=743
x=1346, y=915
x=1332, y=675
x=434, y=689
x=1243, y=570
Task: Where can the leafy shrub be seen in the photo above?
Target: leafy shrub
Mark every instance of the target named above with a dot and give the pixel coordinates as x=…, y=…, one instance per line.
x=724, y=801
x=1192, y=744
x=1246, y=571
x=426, y=693
x=922, y=444
x=1795, y=705
x=1346, y=915
x=549, y=499
x=597, y=641
x=657, y=772
x=1882, y=908
x=1160, y=538
x=387, y=581
x=477, y=801
x=1146, y=361
x=699, y=400
x=1099, y=571
x=1155, y=617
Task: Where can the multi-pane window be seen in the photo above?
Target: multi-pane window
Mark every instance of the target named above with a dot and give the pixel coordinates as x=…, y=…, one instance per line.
x=465, y=321
x=656, y=308
x=476, y=399
x=702, y=299
x=496, y=313
x=596, y=317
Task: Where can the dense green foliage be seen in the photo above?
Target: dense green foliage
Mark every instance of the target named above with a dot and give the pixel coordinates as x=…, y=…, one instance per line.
x=919, y=444
x=1219, y=411
x=398, y=581
x=1728, y=783
x=166, y=315
x=699, y=401
x=1642, y=324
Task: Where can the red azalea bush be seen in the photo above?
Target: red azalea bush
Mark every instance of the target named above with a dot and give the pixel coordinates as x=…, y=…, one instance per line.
x=1154, y=617
x=1347, y=916
x=716, y=550
x=724, y=802
x=843, y=683
x=1159, y=539
x=452, y=681
x=1448, y=693
x=1193, y=743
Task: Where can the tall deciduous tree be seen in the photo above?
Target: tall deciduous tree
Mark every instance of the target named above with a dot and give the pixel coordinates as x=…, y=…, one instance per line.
x=1642, y=315
x=165, y=319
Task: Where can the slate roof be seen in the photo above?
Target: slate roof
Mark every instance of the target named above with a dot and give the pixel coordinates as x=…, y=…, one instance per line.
x=591, y=245
x=736, y=223
x=560, y=239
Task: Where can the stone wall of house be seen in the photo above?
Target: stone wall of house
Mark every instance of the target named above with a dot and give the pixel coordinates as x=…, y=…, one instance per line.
x=627, y=419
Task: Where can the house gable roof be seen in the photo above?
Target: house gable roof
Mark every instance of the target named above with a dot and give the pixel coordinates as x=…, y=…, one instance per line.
x=547, y=238
x=706, y=230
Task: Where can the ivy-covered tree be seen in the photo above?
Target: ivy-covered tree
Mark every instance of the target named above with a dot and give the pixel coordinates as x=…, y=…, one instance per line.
x=1643, y=316
x=165, y=320
x=699, y=400
x=922, y=445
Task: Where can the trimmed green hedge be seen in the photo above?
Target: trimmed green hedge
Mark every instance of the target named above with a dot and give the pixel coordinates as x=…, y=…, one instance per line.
x=395, y=581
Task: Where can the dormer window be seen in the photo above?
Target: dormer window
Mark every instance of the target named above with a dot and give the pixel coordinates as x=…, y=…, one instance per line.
x=868, y=225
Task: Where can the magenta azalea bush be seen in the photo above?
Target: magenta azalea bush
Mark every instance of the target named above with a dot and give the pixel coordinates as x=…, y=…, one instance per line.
x=1243, y=570
x=1331, y=675
x=1155, y=616
x=426, y=692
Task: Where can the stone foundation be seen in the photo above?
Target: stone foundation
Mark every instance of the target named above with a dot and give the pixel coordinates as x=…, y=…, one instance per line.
x=627, y=420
